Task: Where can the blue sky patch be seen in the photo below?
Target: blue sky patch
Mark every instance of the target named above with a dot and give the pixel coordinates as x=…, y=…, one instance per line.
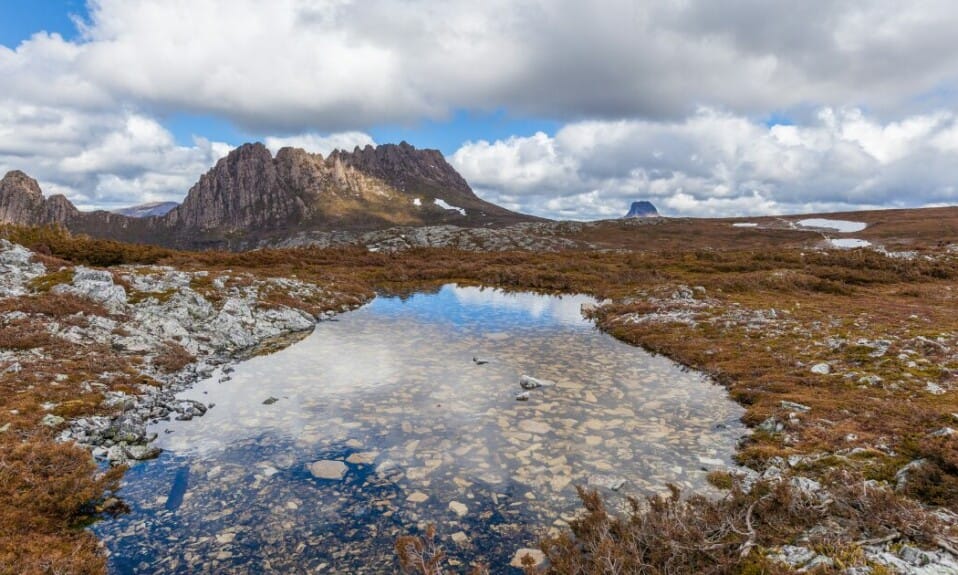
x=21, y=19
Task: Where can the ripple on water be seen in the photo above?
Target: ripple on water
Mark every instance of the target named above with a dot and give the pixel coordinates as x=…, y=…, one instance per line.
x=427, y=435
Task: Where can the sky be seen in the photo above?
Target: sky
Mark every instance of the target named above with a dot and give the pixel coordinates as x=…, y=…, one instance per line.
x=559, y=108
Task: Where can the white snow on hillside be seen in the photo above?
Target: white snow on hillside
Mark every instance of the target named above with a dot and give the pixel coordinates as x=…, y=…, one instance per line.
x=841, y=226
x=442, y=204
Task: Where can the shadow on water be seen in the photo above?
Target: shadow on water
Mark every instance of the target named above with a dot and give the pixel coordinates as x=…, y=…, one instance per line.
x=391, y=395
x=180, y=483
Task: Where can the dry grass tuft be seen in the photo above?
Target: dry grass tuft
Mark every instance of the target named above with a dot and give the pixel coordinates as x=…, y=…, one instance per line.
x=80, y=249
x=172, y=358
x=53, y=305
x=935, y=481
x=47, y=282
x=47, y=490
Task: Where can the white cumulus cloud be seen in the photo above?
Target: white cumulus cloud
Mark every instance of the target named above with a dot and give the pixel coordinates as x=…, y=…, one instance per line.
x=100, y=159
x=333, y=65
x=720, y=164
x=321, y=144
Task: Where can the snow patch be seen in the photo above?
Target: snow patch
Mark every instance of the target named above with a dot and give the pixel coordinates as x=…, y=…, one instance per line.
x=442, y=204
x=848, y=243
x=841, y=226
x=745, y=225
x=416, y=202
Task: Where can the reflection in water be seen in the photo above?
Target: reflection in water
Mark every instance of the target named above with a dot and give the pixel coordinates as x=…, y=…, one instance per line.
x=180, y=483
x=426, y=435
x=564, y=310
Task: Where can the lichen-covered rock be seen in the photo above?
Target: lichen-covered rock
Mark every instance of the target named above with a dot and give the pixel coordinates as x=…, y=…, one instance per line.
x=17, y=269
x=96, y=285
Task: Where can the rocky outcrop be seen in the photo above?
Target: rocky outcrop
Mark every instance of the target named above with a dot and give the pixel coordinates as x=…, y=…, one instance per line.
x=59, y=210
x=242, y=192
x=250, y=196
x=642, y=209
x=547, y=236
x=21, y=201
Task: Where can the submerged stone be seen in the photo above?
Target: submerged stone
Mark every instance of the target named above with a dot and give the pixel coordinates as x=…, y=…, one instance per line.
x=611, y=482
x=328, y=469
x=537, y=557
x=459, y=509
x=529, y=382
x=417, y=497
x=364, y=458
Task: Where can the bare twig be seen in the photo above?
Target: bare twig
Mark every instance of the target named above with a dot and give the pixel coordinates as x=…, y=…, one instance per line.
x=880, y=540
x=945, y=544
x=750, y=542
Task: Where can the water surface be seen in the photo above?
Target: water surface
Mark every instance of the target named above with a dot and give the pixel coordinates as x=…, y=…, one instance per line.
x=426, y=434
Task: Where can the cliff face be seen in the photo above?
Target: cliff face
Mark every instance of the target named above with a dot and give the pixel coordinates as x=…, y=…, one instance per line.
x=250, y=195
x=405, y=168
x=21, y=201
x=242, y=192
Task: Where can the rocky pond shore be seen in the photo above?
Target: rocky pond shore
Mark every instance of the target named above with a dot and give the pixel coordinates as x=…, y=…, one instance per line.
x=174, y=327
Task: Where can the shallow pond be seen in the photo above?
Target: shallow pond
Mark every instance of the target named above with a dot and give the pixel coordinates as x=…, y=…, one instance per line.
x=390, y=395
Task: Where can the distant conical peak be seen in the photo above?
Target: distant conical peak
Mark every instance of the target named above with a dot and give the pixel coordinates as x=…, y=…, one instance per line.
x=642, y=209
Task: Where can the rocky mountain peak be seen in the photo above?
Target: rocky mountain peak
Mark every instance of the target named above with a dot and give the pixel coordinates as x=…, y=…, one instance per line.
x=241, y=192
x=250, y=196
x=405, y=167
x=58, y=209
x=17, y=180
x=21, y=200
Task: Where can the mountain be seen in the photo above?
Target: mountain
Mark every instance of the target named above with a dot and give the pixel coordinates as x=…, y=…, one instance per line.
x=642, y=209
x=147, y=210
x=252, y=198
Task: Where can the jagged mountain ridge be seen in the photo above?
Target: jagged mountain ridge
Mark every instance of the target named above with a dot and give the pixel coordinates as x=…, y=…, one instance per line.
x=146, y=210
x=249, y=196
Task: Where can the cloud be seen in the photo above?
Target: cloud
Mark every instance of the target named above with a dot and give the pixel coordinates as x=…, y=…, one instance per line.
x=662, y=99
x=120, y=158
x=333, y=65
x=720, y=164
x=320, y=144
x=100, y=159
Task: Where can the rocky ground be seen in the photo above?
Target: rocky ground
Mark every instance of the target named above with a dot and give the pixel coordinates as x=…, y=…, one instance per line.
x=845, y=361
x=172, y=327
x=533, y=236
x=856, y=378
